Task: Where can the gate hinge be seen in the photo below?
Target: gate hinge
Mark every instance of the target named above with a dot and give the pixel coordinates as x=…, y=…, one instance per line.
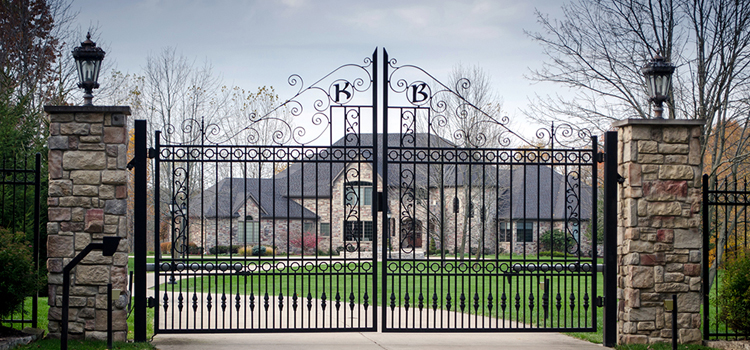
x=151, y=153
x=151, y=303
x=131, y=164
x=620, y=179
x=599, y=302
x=600, y=157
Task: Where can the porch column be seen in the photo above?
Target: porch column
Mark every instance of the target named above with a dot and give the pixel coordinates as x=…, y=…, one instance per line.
x=87, y=201
x=658, y=233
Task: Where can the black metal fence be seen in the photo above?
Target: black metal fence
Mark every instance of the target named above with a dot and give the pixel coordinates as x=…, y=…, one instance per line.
x=20, y=191
x=725, y=238
x=381, y=212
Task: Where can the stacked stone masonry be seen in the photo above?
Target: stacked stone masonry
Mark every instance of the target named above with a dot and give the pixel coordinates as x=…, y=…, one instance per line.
x=87, y=200
x=659, y=236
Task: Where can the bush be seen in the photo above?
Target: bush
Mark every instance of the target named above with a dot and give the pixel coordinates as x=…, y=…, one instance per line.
x=309, y=242
x=17, y=277
x=734, y=295
x=225, y=249
x=555, y=239
x=193, y=249
x=255, y=251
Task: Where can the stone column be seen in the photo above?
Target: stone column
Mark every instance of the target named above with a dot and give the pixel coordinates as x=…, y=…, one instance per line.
x=87, y=200
x=659, y=235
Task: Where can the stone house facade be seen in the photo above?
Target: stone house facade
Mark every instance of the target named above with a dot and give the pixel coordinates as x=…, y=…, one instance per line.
x=328, y=203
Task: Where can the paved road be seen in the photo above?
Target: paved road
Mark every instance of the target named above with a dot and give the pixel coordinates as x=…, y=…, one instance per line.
x=375, y=341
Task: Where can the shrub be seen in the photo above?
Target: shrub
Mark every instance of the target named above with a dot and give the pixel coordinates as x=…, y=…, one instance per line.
x=734, y=295
x=225, y=249
x=308, y=242
x=555, y=240
x=17, y=277
x=193, y=249
x=256, y=250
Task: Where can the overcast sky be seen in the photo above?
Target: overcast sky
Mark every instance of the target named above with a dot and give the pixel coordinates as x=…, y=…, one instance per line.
x=255, y=43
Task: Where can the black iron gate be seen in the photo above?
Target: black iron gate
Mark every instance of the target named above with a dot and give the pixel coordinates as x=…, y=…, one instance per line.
x=418, y=211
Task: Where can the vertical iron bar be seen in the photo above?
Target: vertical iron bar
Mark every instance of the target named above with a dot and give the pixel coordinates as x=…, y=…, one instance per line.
x=140, y=230
x=704, y=258
x=595, y=228
x=674, y=321
x=610, y=238
x=37, y=194
x=109, y=315
x=384, y=277
x=157, y=225
x=375, y=198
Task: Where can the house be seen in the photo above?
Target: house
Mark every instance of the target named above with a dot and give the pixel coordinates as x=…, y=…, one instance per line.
x=438, y=196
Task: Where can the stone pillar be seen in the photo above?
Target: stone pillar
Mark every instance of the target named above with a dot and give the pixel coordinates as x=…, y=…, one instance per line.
x=87, y=200
x=658, y=235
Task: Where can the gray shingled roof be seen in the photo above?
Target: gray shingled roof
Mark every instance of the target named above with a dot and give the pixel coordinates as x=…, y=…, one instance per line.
x=213, y=203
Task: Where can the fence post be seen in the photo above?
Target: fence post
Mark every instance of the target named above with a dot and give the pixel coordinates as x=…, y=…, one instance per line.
x=37, y=194
x=659, y=235
x=610, y=238
x=139, y=229
x=704, y=256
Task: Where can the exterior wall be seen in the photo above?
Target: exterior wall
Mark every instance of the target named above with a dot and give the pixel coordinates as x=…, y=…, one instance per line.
x=482, y=234
x=87, y=201
x=340, y=212
x=659, y=239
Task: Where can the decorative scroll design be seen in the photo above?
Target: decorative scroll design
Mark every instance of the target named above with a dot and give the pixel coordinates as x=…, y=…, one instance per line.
x=178, y=208
x=423, y=91
x=565, y=135
x=573, y=210
x=339, y=87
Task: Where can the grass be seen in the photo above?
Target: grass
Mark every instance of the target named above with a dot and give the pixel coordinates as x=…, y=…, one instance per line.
x=53, y=344
x=84, y=345
x=27, y=305
x=411, y=278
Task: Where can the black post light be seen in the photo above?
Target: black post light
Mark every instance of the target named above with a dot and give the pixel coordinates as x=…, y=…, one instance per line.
x=658, y=74
x=88, y=63
x=108, y=247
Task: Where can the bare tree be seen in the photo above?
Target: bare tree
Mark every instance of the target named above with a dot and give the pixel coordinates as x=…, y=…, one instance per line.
x=598, y=47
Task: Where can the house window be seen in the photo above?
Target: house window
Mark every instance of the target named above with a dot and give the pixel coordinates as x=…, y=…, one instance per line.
x=392, y=227
x=358, y=231
x=504, y=231
x=308, y=227
x=249, y=231
x=325, y=229
x=576, y=231
x=525, y=231
x=358, y=193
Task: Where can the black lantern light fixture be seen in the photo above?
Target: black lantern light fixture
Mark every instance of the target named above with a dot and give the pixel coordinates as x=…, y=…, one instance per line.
x=658, y=74
x=88, y=63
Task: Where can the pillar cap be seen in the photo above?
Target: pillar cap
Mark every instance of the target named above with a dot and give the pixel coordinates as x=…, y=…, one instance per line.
x=659, y=122
x=87, y=109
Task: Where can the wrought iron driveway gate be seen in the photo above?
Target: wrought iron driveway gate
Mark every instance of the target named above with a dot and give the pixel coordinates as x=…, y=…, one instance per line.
x=396, y=204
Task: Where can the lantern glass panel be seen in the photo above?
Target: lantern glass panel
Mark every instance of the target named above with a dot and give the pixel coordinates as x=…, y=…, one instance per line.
x=650, y=85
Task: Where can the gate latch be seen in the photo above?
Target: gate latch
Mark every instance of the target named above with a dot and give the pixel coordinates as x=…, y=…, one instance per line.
x=151, y=303
x=599, y=301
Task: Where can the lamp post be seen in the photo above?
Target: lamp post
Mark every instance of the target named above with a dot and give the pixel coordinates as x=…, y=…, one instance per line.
x=658, y=74
x=88, y=63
